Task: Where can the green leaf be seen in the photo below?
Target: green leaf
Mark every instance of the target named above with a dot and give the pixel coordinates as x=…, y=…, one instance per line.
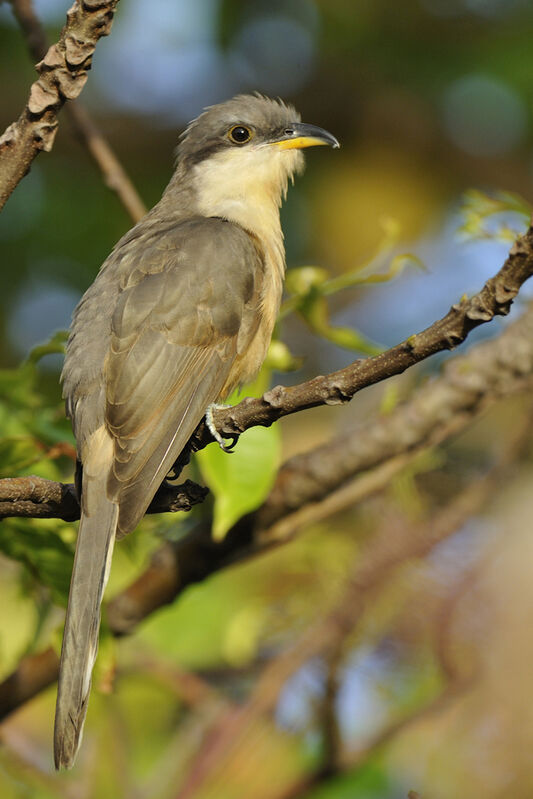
x=486, y=217
x=17, y=386
x=240, y=481
x=17, y=453
x=280, y=358
x=315, y=312
x=390, y=399
x=398, y=264
x=308, y=286
x=38, y=545
x=55, y=345
x=300, y=280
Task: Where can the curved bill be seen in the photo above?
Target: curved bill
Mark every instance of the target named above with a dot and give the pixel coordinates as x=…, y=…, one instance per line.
x=301, y=135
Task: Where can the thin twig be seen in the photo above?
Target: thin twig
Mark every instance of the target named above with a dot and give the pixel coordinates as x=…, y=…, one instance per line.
x=489, y=371
x=63, y=73
x=113, y=173
x=494, y=299
x=194, y=557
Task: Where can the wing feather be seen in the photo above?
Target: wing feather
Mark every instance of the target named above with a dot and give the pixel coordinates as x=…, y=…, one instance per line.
x=175, y=335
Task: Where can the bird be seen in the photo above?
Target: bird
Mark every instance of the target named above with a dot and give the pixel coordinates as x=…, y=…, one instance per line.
x=180, y=314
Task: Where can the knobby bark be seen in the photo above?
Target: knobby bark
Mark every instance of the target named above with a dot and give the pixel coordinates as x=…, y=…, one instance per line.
x=39, y=498
x=494, y=299
x=63, y=73
x=112, y=171
x=310, y=477
x=490, y=371
x=468, y=385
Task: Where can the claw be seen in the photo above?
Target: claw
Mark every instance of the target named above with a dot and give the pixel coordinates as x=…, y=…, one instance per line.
x=214, y=432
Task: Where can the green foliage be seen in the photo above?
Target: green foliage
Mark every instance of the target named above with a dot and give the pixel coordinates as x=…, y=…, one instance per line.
x=280, y=359
x=35, y=437
x=17, y=387
x=39, y=546
x=308, y=287
x=371, y=781
x=54, y=346
x=404, y=486
x=377, y=78
x=390, y=399
x=241, y=480
x=501, y=216
x=17, y=454
x=31, y=418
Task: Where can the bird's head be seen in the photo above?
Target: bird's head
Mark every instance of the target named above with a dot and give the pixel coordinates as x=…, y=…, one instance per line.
x=239, y=155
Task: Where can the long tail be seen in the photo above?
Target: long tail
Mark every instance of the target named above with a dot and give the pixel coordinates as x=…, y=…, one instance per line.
x=92, y=562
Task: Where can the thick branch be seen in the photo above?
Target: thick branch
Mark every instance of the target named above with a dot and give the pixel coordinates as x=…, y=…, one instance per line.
x=494, y=299
x=489, y=371
x=113, y=173
x=38, y=498
x=444, y=406
x=196, y=556
x=62, y=76
x=372, y=569
x=486, y=373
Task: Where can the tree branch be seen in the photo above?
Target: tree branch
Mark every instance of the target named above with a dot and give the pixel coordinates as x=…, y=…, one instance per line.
x=444, y=406
x=489, y=371
x=457, y=682
x=494, y=299
x=62, y=76
x=44, y=499
x=194, y=557
x=113, y=173
x=373, y=567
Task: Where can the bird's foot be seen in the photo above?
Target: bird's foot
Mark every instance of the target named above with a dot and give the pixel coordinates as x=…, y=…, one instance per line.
x=215, y=406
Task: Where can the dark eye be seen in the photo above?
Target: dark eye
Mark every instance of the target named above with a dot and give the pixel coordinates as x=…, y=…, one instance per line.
x=240, y=134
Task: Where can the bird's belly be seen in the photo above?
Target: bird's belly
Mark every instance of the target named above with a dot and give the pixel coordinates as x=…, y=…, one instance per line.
x=247, y=365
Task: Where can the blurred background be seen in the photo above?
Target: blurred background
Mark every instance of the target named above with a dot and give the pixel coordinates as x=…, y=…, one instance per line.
x=429, y=98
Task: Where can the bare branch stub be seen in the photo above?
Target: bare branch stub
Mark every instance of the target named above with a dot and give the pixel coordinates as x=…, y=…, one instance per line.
x=62, y=76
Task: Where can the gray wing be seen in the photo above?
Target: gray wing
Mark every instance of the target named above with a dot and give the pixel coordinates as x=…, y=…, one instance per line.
x=186, y=311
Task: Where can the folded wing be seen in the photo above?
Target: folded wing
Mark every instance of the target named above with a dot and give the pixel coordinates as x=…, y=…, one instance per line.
x=184, y=314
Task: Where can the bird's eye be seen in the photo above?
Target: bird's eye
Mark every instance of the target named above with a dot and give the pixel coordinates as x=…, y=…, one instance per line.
x=240, y=134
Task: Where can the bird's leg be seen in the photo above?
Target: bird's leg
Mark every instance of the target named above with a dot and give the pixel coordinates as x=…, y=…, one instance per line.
x=180, y=463
x=215, y=406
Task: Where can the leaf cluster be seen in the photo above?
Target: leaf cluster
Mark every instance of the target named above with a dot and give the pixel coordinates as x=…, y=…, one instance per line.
x=36, y=439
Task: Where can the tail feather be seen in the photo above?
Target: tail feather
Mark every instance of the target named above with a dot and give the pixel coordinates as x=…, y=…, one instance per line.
x=92, y=562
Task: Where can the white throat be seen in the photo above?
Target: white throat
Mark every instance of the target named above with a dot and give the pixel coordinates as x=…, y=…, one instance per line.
x=247, y=186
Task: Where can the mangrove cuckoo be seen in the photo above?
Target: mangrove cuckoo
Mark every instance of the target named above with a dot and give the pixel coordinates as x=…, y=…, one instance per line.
x=180, y=314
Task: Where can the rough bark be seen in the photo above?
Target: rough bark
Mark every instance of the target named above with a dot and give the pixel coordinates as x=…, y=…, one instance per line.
x=63, y=73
